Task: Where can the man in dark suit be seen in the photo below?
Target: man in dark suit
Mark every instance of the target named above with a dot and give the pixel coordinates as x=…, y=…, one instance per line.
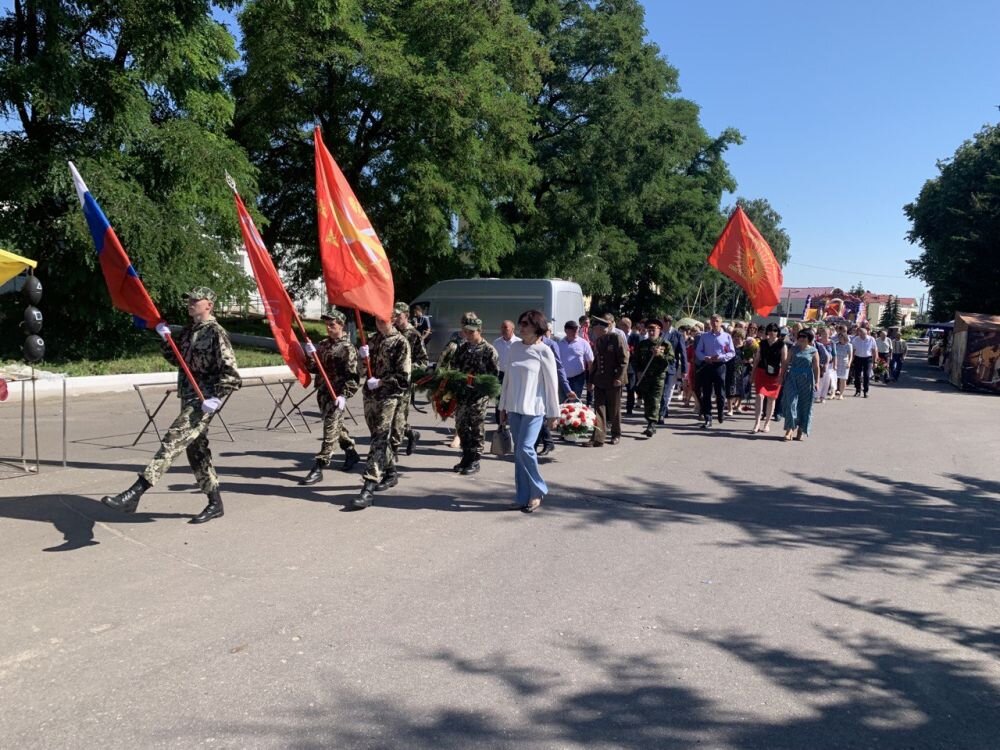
x=632, y=339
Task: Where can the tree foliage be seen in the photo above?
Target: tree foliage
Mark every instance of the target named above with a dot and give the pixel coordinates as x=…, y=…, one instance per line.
x=890, y=313
x=133, y=93
x=956, y=219
x=858, y=289
x=483, y=137
x=629, y=182
x=424, y=106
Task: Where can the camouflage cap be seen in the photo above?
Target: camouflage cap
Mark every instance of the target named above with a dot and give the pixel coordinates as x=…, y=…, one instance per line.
x=200, y=292
x=470, y=323
x=401, y=308
x=332, y=313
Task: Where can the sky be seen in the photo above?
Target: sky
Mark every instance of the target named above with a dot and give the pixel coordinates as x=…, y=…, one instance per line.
x=846, y=109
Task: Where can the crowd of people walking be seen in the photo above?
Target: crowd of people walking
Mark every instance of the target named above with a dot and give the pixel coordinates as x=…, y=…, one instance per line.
x=718, y=369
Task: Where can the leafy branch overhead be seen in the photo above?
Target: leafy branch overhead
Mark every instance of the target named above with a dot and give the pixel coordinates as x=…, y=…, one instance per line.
x=956, y=220
x=514, y=137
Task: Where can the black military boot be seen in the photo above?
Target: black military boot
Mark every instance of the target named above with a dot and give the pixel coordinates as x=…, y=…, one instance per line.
x=366, y=497
x=212, y=510
x=128, y=500
x=411, y=439
x=315, y=474
x=460, y=466
x=473, y=466
x=351, y=459
x=391, y=479
x=650, y=430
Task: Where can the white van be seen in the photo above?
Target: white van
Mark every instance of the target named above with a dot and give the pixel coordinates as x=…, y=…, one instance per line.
x=494, y=301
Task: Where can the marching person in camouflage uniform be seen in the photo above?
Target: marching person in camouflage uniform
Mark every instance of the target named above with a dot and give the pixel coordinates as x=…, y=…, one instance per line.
x=474, y=357
x=205, y=346
x=340, y=361
x=384, y=392
x=418, y=358
x=653, y=356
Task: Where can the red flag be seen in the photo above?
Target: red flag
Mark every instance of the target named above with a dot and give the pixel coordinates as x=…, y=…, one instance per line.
x=355, y=267
x=124, y=285
x=743, y=255
x=278, y=305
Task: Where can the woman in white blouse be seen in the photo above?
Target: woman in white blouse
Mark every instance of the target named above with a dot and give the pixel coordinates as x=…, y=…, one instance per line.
x=528, y=397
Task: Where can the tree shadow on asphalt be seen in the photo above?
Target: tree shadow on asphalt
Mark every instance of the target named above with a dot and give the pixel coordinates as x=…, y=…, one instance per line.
x=876, y=692
x=74, y=516
x=870, y=521
x=985, y=640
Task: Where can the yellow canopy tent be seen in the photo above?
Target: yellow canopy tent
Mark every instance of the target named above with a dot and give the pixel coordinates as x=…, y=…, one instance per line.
x=11, y=265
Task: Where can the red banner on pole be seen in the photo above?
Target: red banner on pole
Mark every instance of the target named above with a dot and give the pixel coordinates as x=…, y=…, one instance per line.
x=743, y=255
x=278, y=306
x=355, y=267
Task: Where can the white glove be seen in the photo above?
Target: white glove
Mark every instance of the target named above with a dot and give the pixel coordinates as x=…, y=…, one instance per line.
x=309, y=347
x=211, y=405
x=341, y=403
x=373, y=383
x=363, y=351
x=163, y=329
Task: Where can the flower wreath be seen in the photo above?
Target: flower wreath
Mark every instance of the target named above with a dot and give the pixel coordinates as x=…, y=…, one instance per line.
x=576, y=421
x=444, y=386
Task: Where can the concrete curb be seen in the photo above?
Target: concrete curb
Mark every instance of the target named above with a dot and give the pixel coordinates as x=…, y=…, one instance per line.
x=51, y=386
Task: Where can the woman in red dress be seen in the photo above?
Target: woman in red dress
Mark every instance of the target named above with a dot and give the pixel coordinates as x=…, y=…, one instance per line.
x=768, y=370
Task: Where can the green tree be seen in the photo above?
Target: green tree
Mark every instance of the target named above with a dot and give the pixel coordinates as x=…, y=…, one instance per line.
x=858, y=290
x=627, y=196
x=133, y=93
x=890, y=313
x=956, y=219
x=423, y=105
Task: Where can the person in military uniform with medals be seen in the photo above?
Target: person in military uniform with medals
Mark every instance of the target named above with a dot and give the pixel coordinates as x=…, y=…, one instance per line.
x=418, y=359
x=205, y=346
x=340, y=361
x=653, y=356
x=475, y=356
x=384, y=392
x=607, y=374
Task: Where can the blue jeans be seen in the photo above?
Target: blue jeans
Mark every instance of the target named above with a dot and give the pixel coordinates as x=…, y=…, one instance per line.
x=895, y=366
x=578, y=384
x=528, y=483
x=668, y=391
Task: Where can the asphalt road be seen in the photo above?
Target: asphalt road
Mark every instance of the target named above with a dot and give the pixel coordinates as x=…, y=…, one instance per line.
x=716, y=589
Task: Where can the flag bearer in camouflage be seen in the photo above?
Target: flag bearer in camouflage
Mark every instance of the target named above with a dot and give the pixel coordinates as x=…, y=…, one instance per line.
x=418, y=358
x=205, y=346
x=653, y=356
x=340, y=361
x=384, y=392
x=474, y=357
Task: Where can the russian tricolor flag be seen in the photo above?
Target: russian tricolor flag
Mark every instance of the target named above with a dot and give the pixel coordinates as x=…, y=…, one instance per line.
x=124, y=285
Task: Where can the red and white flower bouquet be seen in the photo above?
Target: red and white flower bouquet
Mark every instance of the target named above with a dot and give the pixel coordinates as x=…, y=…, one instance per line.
x=576, y=422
